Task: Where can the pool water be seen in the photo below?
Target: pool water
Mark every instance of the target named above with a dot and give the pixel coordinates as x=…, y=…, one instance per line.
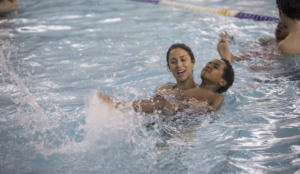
x=55, y=55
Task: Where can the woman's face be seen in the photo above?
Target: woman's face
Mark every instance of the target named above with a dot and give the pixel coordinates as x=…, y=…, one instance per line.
x=180, y=64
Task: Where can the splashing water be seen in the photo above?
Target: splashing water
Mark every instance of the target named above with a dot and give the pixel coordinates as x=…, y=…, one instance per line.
x=55, y=55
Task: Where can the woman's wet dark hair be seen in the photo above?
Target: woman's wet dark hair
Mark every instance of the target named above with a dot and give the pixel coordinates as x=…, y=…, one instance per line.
x=228, y=75
x=182, y=46
x=290, y=7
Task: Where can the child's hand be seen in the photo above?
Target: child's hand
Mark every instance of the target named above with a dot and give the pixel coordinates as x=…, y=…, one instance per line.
x=226, y=36
x=223, y=50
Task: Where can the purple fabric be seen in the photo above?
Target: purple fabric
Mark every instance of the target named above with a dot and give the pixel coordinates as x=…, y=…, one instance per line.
x=255, y=17
x=150, y=1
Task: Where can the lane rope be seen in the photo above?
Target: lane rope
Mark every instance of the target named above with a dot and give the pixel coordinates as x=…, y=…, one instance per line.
x=224, y=12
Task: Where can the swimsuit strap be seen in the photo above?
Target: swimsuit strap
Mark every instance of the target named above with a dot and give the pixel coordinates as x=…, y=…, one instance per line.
x=195, y=86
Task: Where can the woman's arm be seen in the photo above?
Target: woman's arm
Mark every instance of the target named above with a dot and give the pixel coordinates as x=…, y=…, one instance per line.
x=144, y=105
x=150, y=105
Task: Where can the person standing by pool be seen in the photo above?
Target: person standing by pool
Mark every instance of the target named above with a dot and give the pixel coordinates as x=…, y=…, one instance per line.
x=268, y=51
x=269, y=46
x=7, y=6
x=289, y=11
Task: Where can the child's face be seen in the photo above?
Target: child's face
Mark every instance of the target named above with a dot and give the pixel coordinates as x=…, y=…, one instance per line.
x=281, y=31
x=213, y=72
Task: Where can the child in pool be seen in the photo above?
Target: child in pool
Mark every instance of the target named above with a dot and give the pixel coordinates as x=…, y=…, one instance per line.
x=217, y=76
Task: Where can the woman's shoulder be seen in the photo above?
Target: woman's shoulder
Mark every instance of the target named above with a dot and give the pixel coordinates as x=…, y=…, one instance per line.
x=167, y=86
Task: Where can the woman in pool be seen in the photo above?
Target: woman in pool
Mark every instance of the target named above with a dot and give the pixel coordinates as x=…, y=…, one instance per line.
x=180, y=61
x=217, y=76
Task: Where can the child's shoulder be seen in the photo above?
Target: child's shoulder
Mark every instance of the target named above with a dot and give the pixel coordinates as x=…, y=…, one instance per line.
x=217, y=100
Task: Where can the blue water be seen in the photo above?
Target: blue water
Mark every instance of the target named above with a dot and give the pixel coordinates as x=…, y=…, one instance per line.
x=56, y=54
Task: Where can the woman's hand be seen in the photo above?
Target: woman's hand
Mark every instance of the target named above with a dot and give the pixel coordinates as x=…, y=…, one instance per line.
x=107, y=100
x=197, y=106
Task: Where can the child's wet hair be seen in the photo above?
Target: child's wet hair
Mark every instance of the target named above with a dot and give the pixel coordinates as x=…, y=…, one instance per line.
x=228, y=75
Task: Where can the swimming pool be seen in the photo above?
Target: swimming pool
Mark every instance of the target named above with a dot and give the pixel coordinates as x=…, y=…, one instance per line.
x=56, y=54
